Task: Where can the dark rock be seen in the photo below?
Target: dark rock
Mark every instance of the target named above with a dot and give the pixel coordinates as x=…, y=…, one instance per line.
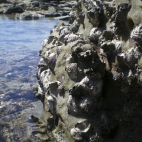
x=35, y=119
x=53, y=15
x=3, y=1
x=23, y=5
x=35, y=3
x=13, y=9
x=120, y=17
x=50, y=123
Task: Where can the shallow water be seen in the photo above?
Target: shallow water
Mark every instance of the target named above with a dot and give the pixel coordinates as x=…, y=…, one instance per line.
x=20, y=42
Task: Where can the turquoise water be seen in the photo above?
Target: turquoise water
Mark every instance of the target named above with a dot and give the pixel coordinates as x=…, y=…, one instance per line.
x=20, y=42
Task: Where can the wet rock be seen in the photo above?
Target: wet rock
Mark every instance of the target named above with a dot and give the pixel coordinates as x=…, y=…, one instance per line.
x=28, y=16
x=13, y=9
x=35, y=119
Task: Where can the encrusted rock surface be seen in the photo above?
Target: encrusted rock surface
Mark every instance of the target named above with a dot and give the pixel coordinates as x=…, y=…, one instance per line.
x=90, y=73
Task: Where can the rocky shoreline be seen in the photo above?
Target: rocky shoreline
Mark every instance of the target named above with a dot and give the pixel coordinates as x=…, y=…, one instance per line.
x=35, y=9
x=90, y=73
x=90, y=70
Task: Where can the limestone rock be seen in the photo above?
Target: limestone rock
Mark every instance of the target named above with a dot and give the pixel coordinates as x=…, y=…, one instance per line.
x=90, y=73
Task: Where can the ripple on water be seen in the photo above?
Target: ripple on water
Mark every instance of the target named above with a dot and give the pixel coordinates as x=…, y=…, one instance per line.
x=20, y=44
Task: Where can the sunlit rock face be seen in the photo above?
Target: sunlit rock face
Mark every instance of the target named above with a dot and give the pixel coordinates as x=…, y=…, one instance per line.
x=90, y=74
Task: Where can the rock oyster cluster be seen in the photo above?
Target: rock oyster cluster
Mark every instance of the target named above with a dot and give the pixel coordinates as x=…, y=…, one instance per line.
x=90, y=75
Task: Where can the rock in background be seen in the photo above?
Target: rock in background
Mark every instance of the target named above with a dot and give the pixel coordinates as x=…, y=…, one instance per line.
x=35, y=9
x=90, y=73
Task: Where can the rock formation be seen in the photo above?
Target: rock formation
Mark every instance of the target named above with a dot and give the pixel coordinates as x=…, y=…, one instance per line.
x=90, y=73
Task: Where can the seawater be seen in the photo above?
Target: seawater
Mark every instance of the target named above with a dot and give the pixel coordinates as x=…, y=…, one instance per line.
x=20, y=42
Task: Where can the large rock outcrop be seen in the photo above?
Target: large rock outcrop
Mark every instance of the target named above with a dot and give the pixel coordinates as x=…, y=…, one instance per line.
x=90, y=73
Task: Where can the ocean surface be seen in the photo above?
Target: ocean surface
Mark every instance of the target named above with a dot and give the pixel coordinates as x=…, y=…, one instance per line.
x=20, y=42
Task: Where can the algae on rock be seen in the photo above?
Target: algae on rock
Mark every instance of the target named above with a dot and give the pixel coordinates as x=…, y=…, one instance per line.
x=93, y=90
